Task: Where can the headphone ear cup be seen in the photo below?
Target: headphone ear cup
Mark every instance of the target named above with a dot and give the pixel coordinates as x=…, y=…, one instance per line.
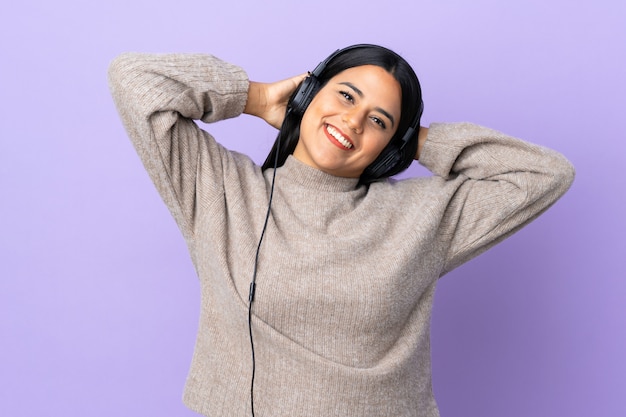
x=391, y=156
x=304, y=94
x=388, y=159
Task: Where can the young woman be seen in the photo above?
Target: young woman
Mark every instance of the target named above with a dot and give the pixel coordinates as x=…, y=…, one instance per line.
x=349, y=259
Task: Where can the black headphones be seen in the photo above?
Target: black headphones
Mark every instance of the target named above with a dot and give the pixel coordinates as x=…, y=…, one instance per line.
x=392, y=155
x=310, y=85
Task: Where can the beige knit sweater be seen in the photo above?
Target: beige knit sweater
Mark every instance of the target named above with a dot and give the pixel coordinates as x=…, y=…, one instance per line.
x=346, y=274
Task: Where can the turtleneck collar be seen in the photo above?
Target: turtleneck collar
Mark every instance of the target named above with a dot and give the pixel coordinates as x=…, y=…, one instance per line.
x=312, y=178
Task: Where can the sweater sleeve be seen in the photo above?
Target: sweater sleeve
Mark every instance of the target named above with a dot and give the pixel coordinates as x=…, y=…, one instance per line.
x=158, y=98
x=499, y=185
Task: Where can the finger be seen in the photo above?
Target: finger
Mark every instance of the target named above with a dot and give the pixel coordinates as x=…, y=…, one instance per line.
x=299, y=78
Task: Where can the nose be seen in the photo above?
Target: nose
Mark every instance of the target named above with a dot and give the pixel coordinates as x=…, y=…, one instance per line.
x=354, y=121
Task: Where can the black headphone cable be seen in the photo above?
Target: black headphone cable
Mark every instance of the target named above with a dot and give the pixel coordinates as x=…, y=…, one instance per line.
x=256, y=263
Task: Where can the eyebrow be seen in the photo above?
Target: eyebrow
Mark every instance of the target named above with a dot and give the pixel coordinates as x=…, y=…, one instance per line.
x=360, y=94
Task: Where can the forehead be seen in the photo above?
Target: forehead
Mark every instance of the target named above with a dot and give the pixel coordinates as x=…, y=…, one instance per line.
x=376, y=84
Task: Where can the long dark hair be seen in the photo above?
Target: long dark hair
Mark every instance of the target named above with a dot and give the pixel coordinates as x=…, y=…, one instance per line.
x=411, y=105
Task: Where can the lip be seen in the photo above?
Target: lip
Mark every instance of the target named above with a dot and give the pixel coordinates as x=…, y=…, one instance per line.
x=334, y=141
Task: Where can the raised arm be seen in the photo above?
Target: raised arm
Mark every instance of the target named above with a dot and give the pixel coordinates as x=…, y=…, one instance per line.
x=495, y=184
x=158, y=97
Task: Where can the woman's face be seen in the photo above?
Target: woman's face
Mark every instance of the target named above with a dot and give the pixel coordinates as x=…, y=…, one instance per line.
x=350, y=121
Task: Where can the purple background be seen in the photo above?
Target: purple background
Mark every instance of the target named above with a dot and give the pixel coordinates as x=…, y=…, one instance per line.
x=98, y=297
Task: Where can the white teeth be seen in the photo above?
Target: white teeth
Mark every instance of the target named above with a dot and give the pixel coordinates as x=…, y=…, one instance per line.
x=338, y=136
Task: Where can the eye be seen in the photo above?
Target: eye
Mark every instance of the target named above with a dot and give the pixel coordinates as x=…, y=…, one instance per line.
x=347, y=96
x=379, y=122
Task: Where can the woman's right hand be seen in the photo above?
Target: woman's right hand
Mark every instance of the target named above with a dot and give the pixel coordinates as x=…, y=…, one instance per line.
x=269, y=100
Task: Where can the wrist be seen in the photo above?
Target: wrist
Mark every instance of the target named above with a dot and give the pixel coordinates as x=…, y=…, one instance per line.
x=256, y=99
x=421, y=139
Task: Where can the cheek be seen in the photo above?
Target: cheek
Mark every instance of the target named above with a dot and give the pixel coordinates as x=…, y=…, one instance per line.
x=308, y=113
x=378, y=143
x=322, y=104
x=305, y=125
x=312, y=117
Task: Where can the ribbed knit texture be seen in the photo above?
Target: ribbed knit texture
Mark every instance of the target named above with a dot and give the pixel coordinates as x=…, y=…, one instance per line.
x=346, y=275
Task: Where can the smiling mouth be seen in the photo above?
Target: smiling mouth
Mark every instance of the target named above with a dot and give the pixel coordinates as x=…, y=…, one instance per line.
x=335, y=134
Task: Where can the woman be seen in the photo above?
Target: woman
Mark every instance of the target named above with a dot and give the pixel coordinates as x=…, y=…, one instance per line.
x=349, y=261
